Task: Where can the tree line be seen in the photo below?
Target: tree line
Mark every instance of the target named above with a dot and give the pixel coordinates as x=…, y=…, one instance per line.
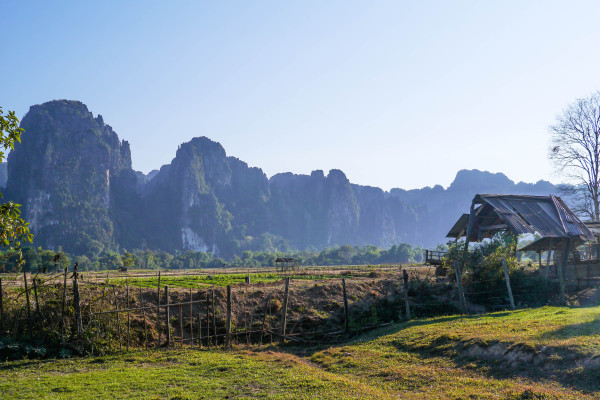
x=38, y=259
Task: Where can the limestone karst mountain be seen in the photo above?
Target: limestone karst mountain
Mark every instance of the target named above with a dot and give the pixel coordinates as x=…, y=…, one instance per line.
x=73, y=176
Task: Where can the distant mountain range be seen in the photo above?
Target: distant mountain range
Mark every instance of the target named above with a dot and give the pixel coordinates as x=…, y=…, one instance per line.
x=73, y=176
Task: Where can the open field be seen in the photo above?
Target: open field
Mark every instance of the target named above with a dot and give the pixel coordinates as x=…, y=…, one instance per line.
x=198, y=278
x=545, y=353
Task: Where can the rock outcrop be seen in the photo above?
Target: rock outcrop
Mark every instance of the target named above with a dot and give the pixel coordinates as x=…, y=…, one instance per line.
x=74, y=178
x=62, y=174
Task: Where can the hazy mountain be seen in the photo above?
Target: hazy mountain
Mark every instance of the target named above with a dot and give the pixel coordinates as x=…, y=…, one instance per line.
x=74, y=178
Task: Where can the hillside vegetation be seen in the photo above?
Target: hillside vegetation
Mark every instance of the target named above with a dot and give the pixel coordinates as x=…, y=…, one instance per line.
x=546, y=353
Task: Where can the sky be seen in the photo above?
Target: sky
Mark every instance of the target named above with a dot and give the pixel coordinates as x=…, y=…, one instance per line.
x=393, y=93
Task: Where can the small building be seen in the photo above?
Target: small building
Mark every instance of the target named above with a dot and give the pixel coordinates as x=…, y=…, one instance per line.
x=546, y=216
x=286, y=262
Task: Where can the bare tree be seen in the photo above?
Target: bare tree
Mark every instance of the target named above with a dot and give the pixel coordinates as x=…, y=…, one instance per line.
x=575, y=151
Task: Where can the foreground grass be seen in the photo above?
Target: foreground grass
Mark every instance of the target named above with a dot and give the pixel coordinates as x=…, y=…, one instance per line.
x=423, y=359
x=433, y=358
x=183, y=374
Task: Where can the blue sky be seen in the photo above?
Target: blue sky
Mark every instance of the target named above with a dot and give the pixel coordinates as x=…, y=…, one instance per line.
x=395, y=94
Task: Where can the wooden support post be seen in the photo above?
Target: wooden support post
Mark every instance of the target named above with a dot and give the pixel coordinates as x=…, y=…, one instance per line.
x=128, y=318
x=191, y=320
x=587, y=279
x=461, y=293
x=228, y=323
x=561, y=278
x=406, y=303
x=28, y=305
x=548, y=260
x=346, y=318
x=467, y=238
x=62, y=311
x=158, y=309
x=168, y=319
x=207, y=320
x=284, y=311
x=506, y=277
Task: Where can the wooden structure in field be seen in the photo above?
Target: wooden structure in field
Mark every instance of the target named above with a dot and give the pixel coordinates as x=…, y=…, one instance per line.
x=286, y=263
x=547, y=216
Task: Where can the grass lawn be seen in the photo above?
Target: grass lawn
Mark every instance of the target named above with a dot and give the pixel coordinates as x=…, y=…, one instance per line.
x=438, y=358
x=199, y=281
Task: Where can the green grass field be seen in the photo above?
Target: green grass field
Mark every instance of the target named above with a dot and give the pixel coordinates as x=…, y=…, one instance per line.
x=198, y=281
x=546, y=353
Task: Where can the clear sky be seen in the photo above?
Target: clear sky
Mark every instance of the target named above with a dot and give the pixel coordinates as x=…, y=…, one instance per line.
x=395, y=94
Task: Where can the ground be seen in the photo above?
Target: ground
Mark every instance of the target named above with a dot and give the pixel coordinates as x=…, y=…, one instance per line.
x=545, y=353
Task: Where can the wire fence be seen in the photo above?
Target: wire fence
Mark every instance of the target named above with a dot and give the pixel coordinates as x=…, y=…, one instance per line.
x=93, y=314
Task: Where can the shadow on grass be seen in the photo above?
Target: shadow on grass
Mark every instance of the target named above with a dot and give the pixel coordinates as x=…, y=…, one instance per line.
x=590, y=328
x=563, y=365
x=360, y=337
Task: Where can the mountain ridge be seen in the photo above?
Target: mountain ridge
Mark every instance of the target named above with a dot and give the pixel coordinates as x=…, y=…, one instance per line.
x=74, y=177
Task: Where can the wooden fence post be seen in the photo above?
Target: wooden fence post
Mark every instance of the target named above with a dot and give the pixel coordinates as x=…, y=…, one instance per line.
x=158, y=309
x=199, y=329
x=214, y=316
x=118, y=318
x=461, y=293
x=168, y=319
x=506, y=277
x=207, y=320
x=144, y=316
x=181, y=322
x=128, y=320
x=62, y=311
x=28, y=305
x=228, y=323
x=284, y=311
x=35, y=295
x=1, y=308
x=262, y=329
x=406, y=304
x=76, y=301
x=191, y=320
x=346, y=318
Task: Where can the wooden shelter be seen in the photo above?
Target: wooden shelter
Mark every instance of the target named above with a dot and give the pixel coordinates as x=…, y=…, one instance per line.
x=547, y=216
x=286, y=262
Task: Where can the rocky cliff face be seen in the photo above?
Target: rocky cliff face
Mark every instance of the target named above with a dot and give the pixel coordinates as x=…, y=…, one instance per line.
x=73, y=176
x=62, y=174
x=206, y=201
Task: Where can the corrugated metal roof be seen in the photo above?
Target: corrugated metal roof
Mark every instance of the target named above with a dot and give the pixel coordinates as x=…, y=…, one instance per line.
x=546, y=243
x=546, y=215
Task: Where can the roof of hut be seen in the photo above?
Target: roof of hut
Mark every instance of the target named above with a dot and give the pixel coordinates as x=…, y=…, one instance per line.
x=547, y=215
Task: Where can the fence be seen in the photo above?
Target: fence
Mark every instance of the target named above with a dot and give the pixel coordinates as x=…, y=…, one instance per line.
x=100, y=315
